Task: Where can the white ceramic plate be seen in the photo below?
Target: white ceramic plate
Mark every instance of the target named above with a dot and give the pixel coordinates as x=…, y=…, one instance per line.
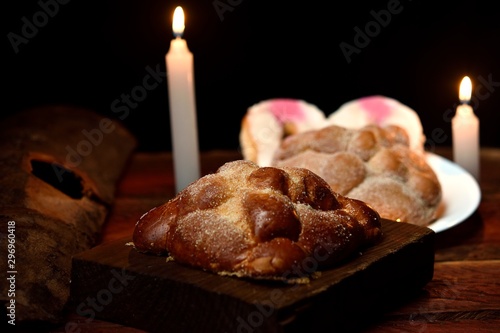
x=461, y=192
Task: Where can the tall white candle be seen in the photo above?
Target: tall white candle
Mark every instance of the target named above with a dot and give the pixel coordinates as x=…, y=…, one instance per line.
x=465, y=131
x=180, y=74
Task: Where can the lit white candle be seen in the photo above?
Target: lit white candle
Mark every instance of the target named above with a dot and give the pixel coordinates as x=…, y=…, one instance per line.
x=179, y=61
x=465, y=128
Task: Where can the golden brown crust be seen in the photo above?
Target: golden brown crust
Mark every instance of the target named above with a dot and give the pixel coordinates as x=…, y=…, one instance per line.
x=372, y=164
x=257, y=222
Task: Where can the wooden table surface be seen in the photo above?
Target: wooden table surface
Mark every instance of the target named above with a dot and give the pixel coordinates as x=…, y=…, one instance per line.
x=463, y=296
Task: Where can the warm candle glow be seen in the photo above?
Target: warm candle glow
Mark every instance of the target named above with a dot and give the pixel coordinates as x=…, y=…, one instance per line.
x=465, y=90
x=465, y=128
x=183, y=124
x=178, y=22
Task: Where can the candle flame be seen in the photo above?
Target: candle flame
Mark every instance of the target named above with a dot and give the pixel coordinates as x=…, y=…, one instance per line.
x=178, y=22
x=465, y=90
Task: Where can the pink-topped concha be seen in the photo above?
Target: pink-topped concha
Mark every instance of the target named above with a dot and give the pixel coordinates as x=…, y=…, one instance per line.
x=381, y=111
x=267, y=123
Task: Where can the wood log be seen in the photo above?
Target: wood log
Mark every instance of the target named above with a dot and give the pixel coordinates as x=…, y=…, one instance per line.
x=59, y=166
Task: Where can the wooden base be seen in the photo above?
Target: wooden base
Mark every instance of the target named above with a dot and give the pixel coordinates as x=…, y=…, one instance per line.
x=116, y=283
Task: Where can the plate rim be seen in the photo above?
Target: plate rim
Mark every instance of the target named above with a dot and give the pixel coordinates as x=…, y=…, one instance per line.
x=441, y=224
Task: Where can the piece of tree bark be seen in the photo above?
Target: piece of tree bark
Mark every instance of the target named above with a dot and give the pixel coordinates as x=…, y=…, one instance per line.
x=59, y=166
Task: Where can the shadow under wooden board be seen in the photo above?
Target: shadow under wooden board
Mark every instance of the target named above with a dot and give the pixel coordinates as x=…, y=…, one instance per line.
x=114, y=282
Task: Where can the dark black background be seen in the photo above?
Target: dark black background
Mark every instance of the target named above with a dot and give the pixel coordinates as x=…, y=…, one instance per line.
x=91, y=52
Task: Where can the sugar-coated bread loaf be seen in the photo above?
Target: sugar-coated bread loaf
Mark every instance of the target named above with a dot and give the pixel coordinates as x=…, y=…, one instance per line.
x=259, y=222
x=373, y=164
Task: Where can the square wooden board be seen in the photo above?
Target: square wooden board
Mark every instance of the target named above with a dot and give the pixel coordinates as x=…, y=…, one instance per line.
x=114, y=282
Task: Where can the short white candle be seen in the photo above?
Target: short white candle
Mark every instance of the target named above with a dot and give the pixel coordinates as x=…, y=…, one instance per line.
x=465, y=128
x=180, y=74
